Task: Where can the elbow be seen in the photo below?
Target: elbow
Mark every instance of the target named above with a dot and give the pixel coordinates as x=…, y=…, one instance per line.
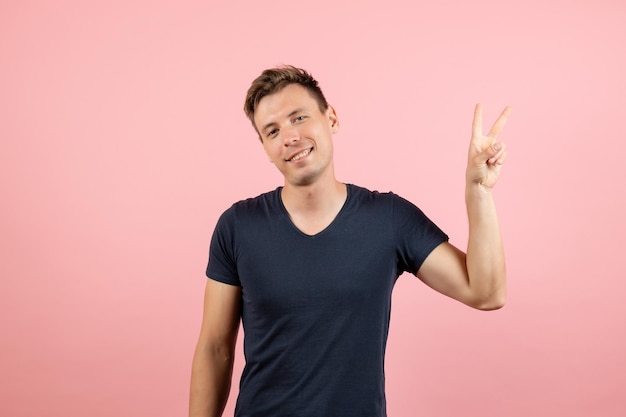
x=490, y=306
x=218, y=350
x=223, y=352
x=490, y=297
x=493, y=302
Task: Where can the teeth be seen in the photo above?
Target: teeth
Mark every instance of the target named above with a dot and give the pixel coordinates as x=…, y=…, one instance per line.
x=300, y=155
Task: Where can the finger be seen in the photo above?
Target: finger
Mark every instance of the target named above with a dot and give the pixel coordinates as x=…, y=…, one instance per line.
x=499, y=158
x=477, y=123
x=491, y=153
x=500, y=122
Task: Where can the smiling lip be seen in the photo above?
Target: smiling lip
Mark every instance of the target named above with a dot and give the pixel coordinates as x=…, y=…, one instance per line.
x=299, y=155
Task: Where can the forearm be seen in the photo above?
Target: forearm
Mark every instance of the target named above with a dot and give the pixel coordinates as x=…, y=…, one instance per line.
x=485, y=252
x=210, y=381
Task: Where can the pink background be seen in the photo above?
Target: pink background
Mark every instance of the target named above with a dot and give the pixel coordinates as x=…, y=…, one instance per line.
x=123, y=139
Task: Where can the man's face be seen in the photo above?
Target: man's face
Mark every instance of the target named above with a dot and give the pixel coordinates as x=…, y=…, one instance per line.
x=296, y=135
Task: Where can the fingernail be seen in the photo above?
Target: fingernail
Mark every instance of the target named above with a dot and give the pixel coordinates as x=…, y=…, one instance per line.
x=497, y=146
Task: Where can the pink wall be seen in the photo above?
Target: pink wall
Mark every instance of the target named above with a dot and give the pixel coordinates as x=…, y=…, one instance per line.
x=122, y=140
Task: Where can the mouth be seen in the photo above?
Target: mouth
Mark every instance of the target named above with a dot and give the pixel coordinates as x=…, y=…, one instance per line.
x=298, y=156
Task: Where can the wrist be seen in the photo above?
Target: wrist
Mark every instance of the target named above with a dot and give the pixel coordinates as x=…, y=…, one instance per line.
x=473, y=188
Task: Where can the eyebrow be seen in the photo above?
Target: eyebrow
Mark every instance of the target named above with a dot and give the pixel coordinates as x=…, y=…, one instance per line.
x=294, y=112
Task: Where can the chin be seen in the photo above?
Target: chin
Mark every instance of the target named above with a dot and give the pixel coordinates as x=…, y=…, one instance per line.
x=303, y=180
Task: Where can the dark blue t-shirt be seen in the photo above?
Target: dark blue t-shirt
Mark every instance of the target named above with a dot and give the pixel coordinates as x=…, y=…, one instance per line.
x=315, y=309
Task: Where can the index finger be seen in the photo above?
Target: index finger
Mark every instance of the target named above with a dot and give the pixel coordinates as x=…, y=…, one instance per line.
x=477, y=123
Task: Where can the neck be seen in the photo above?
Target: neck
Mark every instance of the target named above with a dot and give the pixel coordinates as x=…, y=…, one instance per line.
x=317, y=197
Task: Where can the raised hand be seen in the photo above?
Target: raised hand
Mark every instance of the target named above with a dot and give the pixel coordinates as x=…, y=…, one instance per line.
x=486, y=155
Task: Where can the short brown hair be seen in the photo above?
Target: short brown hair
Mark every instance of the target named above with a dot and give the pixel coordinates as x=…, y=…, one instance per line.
x=275, y=79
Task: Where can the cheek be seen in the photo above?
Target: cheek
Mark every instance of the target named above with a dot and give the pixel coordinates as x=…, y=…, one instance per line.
x=272, y=152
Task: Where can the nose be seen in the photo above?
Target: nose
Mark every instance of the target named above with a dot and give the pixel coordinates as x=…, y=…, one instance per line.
x=290, y=135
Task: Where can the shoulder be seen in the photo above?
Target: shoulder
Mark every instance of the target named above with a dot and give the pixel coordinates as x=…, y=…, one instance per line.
x=263, y=202
x=249, y=217
x=250, y=213
x=387, y=204
x=363, y=195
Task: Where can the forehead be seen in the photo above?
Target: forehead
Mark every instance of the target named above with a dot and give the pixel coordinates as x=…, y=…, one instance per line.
x=283, y=102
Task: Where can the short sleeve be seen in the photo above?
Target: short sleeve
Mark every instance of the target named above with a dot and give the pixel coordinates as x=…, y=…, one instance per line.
x=415, y=235
x=222, y=265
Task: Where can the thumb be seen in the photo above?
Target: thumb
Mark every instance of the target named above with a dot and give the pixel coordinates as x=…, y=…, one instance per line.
x=491, y=152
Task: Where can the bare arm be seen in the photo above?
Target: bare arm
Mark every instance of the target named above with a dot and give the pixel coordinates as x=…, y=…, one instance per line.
x=212, y=366
x=477, y=278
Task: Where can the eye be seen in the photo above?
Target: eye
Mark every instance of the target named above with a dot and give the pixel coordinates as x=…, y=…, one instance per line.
x=272, y=133
x=299, y=118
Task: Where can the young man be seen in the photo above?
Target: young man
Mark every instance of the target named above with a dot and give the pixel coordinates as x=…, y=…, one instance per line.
x=309, y=267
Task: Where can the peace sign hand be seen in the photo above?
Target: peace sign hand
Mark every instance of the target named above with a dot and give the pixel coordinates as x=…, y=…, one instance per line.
x=486, y=155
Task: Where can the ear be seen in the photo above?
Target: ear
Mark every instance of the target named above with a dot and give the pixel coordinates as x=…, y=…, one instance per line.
x=333, y=119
